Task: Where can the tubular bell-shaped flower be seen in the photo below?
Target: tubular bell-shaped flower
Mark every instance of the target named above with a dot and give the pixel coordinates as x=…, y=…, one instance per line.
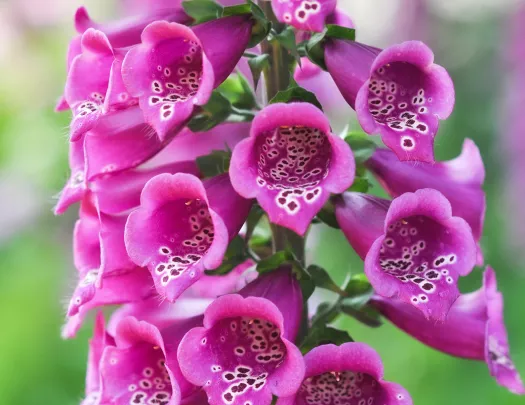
x=76, y=186
x=460, y=180
x=420, y=249
x=398, y=93
x=182, y=227
x=126, y=31
x=306, y=15
x=241, y=356
x=348, y=374
x=474, y=329
x=291, y=163
x=142, y=366
x=173, y=70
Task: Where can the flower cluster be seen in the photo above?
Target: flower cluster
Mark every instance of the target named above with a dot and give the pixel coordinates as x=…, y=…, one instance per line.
x=195, y=198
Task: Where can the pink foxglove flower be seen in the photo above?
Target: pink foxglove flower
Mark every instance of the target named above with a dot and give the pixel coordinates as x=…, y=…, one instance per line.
x=460, y=180
x=398, y=93
x=241, y=356
x=142, y=366
x=306, y=15
x=348, y=374
x=291, y=163
x=173, y=70
x=474, y=329
x=418, y=249
x=182, y=227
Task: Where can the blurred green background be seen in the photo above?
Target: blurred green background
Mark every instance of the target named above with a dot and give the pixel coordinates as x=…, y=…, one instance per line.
x=36, y=270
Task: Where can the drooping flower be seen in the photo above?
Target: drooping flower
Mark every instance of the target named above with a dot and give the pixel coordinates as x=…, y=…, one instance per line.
x=241, y=356
x=348, y=374
x=182, y=227
x=398, y=92
x=415, y=249
x=291, y=163
x=76, y=186
x=173, y=70
x=306, y=15
x=126, y=31
x=473, y=329
x=142, y=366
x=460, y=180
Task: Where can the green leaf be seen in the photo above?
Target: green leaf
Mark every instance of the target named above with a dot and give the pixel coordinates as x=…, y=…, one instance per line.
x=262, y=26
x=305, y=281
x=238, y=91
x=327, y=312
x=360, y=185
x=202, y=10
x=257, y=64
x=255, y=215
x=322, y=335
x=217, y=110
x=362, y=146
x=234, y=256
x=273, y=262
x=295, y=93
x=217, y=162
x=327, y=215
x=366, y=315
x=358, y=291
x=238, y=9
x=315, y=51
x=287, y=39
x=338, y=32
x=322, y=279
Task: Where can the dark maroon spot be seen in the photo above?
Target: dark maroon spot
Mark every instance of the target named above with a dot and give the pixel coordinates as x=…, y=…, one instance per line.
x=292, y=205
x=427, y=286
x=408, y=143
x=229, y=376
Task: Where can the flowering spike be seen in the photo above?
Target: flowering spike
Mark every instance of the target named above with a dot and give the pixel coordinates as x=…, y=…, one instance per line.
x=351, y=374
x=307, y=15
x=459, y=179
x=421, y=252
x=473, y=329
x=398, y=93
x=291, y=163
x=169, y=73
x=241, y=356
x=85, y=92
x=224, y=41
x=182, y=228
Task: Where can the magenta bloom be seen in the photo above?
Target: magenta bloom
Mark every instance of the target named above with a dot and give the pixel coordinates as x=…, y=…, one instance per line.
x=126, y=31
x=419, y=251
x=306, y=15
x=460, y=180
x=291, y=163
x=348, y=374
x=183, y=226
x=173, y=69
x=142, y=366
x=76, y=186
x=241, y=356
x=473, y=329
x=398, y=93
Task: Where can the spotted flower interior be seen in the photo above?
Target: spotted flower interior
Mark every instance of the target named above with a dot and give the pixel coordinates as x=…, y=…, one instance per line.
x=292, y=162
x=340, y=388
x=400, y=98
x=420, y=253
x=246, y=352
x=184, y=240
x=176, y=70
x=136, y=375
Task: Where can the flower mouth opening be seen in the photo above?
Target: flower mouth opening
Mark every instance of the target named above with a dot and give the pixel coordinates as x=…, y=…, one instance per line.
x=400, y=98
x=418, y=252
x=340, y=387
x=189, y=241
x=293, y=160
x=248, y=350
x=176, y=75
